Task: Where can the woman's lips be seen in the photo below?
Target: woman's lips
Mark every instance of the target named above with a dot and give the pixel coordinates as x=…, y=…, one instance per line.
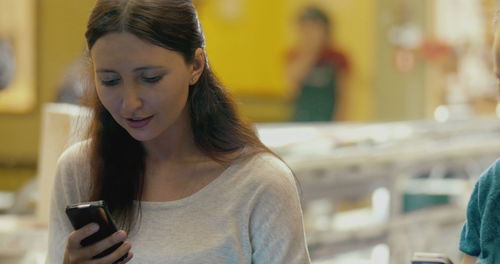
x=138, y=122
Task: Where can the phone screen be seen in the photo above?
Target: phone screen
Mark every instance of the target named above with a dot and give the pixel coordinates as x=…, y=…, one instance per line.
x=94, y=212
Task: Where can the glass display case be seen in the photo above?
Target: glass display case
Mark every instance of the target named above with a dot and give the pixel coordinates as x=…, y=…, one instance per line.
x=404, y=185
x=371, y=193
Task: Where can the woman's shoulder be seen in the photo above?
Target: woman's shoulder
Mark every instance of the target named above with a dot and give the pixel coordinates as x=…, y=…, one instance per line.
x=74, y=162
x=265, y=169
x=265, y=181
x=491, y=175
x=73, y=172
x=488, y=184
x=263, y=161
x=77, y=153
x=495, y=168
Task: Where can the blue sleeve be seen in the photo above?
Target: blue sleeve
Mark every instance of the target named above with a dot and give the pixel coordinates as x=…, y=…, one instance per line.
x=469, y=238
x=481, y=212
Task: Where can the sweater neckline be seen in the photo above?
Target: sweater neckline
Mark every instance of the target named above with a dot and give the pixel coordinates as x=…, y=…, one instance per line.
x=206, y=190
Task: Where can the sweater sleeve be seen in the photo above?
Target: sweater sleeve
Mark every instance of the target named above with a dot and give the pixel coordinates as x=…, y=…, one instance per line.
x=480, y=212
x=66, y=190
x=469, y=237
x=276, y=224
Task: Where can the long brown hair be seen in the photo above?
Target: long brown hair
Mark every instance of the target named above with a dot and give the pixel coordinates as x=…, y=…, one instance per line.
x=117, y=159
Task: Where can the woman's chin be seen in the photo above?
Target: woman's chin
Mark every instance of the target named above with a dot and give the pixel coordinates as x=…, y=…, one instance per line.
x=141, y=136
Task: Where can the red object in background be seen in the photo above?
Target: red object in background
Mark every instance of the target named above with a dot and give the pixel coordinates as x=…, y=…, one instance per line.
x=433, y=50
x=404, y=60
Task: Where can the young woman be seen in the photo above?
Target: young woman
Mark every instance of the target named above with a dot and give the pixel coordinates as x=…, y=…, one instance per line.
x=480, y=238
x=317, y=70
x=186, y=180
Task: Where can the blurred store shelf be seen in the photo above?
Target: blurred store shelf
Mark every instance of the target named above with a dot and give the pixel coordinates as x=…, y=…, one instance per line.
x=372, y=193
x=423, y=172
x=22, y=240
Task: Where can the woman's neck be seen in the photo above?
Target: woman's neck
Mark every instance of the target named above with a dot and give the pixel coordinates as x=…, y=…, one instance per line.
x=176, y=144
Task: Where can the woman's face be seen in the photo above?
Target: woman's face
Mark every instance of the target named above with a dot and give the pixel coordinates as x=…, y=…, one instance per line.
x=143, y=86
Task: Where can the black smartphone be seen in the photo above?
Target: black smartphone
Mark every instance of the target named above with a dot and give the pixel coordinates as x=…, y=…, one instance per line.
x=94, y=212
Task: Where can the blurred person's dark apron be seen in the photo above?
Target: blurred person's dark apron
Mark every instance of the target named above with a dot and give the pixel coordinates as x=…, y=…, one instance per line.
x=317, y=97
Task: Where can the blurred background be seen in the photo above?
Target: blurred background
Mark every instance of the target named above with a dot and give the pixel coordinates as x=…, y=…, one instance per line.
x=385, y=109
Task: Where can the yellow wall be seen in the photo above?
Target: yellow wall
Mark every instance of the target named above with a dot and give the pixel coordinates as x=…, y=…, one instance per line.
x=245, y=44
x=59, y=39
x=17, y=26
x=356, y=35
x=248, y=52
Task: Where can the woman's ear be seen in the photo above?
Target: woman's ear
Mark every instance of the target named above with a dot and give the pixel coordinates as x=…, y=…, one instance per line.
x=198, y=66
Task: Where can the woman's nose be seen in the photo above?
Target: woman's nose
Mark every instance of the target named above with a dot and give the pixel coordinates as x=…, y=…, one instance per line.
x=131, y=99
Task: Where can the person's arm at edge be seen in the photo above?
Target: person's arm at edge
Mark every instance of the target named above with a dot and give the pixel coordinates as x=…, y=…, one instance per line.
x=468, y=259
x=298, y=66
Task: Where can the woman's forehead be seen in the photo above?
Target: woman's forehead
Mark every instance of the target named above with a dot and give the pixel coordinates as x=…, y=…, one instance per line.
x=126, y=49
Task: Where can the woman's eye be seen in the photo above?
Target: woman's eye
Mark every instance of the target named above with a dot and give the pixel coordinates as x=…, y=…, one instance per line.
x=152, y=79
x=110, y=82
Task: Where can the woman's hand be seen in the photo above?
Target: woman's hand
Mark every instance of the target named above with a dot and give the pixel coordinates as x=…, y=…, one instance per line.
x=76, y=254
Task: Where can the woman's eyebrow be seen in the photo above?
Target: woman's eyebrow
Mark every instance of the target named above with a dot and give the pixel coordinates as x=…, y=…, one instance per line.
x=143, y=68
x=106, y=71
x=147, y=68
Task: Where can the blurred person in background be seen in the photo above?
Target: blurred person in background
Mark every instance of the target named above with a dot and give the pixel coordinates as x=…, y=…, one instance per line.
x=185, y=178
x=71, y=86
x=317, y=71
x=7, y=63
x=480, y=237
